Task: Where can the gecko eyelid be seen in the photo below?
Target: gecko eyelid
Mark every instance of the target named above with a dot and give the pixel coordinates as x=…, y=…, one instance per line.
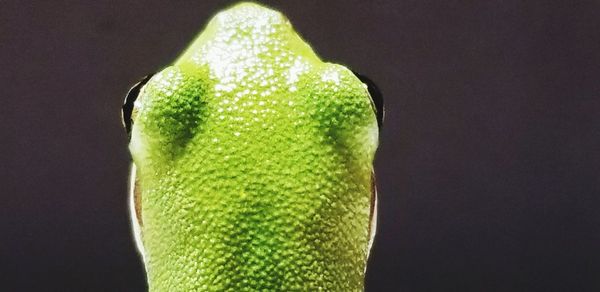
x=128, y=103
x=376, y=97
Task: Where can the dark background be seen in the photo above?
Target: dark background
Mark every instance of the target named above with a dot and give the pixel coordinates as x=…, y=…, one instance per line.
x=489, y=168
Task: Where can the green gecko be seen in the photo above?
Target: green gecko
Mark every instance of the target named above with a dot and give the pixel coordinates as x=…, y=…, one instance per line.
x=253, y=163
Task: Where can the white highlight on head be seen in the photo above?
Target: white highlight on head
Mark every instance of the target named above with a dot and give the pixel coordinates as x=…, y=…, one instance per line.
x=135, y=225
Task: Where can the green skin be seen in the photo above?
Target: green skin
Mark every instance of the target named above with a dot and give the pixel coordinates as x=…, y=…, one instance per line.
x=253, y=164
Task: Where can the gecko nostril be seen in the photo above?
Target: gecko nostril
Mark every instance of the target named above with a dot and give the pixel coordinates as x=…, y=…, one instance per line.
x=128, y=104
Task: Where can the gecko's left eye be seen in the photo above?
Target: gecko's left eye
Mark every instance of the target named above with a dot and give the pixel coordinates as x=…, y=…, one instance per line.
x=128, y=105
x=376, y=97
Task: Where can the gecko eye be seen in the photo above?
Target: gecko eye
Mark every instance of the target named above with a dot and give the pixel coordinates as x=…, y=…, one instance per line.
x=376, y=97
x=128, y=105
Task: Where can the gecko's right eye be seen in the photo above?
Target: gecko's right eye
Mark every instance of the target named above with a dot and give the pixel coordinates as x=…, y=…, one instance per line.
x=128, y=105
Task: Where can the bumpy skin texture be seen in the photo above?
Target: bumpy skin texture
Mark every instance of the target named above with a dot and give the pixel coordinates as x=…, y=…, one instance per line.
x=254, y=163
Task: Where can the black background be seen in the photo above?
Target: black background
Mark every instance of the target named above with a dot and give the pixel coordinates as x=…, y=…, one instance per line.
x=488, y=170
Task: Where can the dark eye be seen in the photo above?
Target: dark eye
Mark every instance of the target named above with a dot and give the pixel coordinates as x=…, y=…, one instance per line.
x=128, y=105
x=376, y=97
